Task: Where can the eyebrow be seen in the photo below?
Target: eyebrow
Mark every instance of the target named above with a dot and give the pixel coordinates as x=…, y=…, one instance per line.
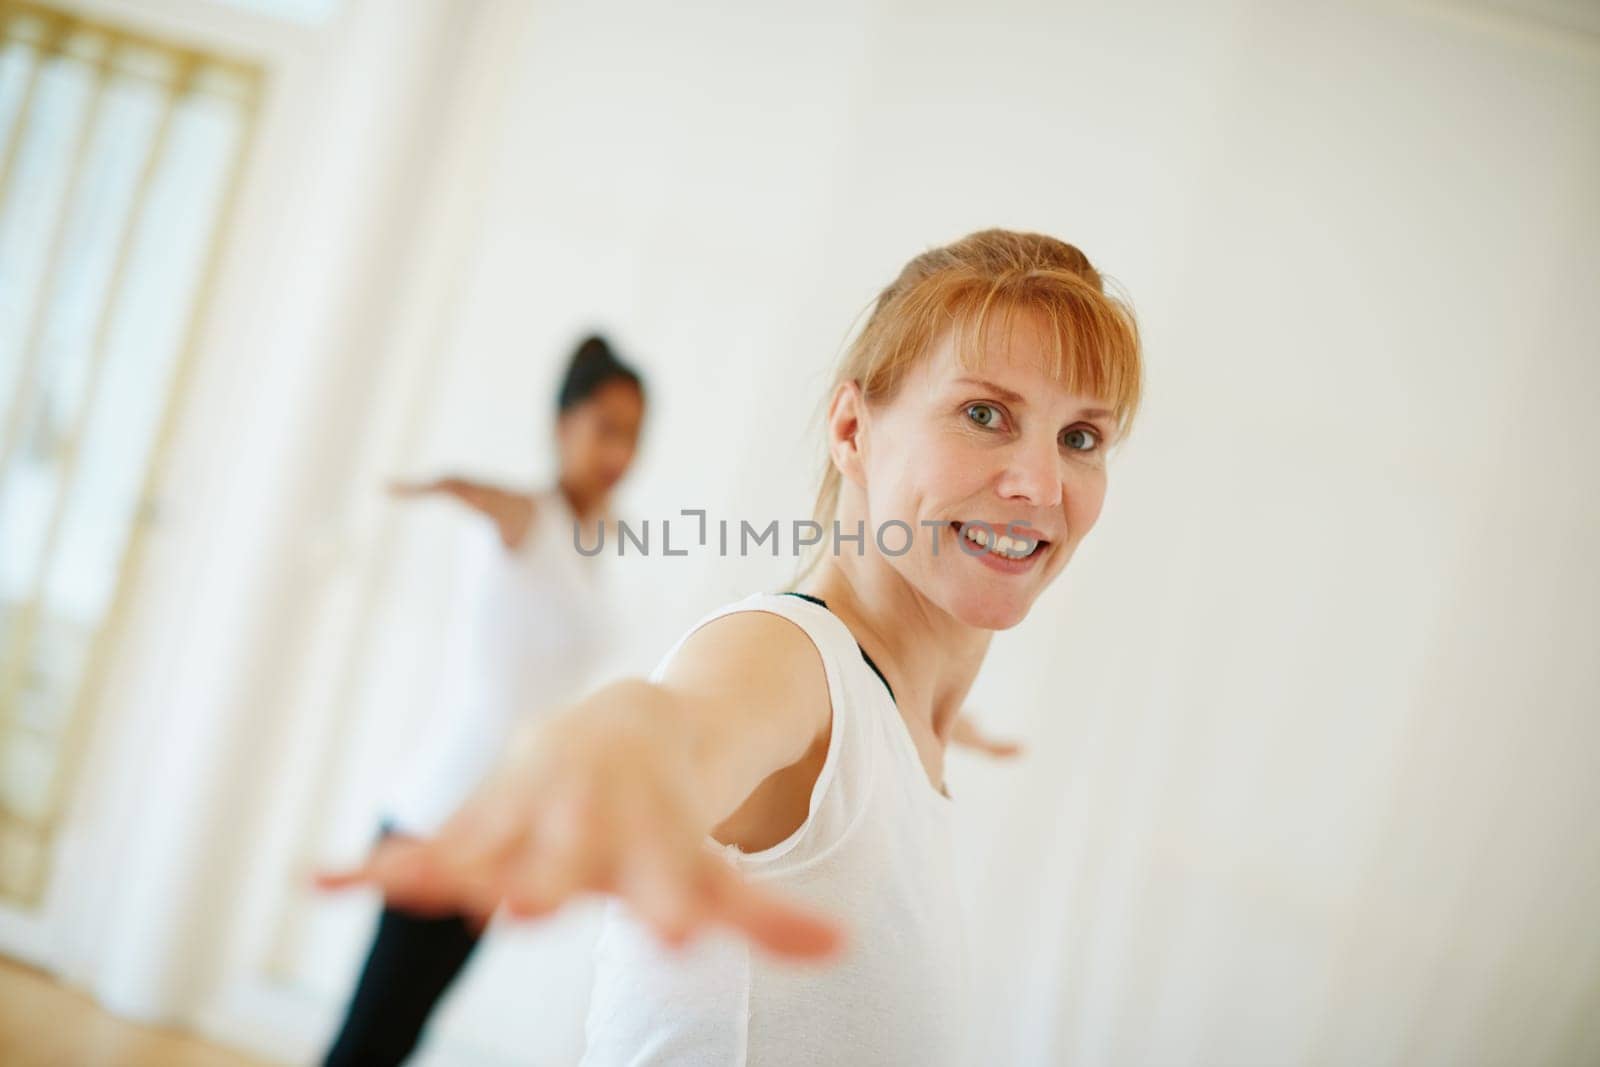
x=1011, y=397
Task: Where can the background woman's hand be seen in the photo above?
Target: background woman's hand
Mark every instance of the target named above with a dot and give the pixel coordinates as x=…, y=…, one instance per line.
x=966, y=734
x=399, y=487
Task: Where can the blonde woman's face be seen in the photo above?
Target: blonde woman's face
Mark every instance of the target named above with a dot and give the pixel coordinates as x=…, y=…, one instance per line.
x=1000, y=452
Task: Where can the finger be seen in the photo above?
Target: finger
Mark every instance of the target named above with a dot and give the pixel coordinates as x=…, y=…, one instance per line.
x=443, y=891
x=334, y=879
x=663, y=891
x=531, y=896
x=490, y=827
x=1003, y=749
x=408, y=872
x=569, y=851
x=544, y=878
x=770, y=920
x=412, y=877
x=392, y=866
x=381, y=863
x=477, y=884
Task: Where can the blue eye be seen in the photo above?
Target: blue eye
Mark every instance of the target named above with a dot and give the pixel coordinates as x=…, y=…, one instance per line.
x=994, y=414
x=1079, y=434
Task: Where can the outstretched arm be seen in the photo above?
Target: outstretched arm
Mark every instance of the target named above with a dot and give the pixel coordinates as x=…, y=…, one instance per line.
x=619, y=792
x=511, y=512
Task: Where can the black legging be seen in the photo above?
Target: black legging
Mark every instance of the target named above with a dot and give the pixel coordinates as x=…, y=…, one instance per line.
x=412, y=962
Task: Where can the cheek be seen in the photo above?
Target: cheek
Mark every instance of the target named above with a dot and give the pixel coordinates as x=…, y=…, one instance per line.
x=917, y=471
x=619, y=453
x=950, y=471
x=1085, y=496
x=591, y=446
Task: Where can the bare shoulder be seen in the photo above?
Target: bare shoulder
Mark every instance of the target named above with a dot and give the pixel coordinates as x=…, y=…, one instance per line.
x=760, y=667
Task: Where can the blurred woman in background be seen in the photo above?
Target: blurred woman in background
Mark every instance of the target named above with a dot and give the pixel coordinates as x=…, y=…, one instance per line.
x=533, y=632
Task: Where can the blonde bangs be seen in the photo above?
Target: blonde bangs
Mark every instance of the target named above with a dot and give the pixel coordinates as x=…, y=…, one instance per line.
x=1092, y=339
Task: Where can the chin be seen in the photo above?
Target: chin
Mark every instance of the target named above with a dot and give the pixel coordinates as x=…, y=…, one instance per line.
x=988, y=612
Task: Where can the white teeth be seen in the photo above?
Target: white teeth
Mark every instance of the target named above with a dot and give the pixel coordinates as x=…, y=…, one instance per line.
x=1011, y=547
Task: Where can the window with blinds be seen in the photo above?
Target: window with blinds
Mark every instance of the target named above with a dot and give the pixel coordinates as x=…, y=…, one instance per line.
x=117, y=157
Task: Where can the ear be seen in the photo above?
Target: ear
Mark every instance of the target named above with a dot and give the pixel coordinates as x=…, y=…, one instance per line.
x=846, y=431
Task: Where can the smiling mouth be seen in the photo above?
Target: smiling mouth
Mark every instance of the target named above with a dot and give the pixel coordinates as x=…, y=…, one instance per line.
x=998, y=543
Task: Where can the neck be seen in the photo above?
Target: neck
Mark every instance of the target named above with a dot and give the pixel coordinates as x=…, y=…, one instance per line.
x=930, y=658
x=584, y=505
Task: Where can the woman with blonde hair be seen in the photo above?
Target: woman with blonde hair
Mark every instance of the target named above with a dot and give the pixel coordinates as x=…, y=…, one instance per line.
x=774, y=791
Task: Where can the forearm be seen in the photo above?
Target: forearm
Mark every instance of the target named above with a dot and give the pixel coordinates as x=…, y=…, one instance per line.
x=712, y=763
x=480, y=498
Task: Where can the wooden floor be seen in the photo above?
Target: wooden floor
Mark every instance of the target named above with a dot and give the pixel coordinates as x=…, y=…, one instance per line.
x=43, y=1024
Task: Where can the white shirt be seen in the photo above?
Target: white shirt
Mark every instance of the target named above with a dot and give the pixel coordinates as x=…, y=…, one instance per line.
x=528, y=632
x=874, y=851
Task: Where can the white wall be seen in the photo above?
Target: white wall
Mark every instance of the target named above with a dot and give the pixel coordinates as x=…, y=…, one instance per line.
x=1312, y=713
x=1308, y=716
x=173, y=845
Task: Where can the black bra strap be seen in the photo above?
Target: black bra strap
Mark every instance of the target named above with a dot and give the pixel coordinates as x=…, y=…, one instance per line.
x=824, y=604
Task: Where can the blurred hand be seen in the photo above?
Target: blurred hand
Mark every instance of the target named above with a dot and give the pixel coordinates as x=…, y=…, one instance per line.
x=966, y=734
x=575, y=809
x=402, y=488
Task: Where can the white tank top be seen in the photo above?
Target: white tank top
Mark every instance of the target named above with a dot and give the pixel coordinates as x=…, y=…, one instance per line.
x=526, y=634
x=874, y=851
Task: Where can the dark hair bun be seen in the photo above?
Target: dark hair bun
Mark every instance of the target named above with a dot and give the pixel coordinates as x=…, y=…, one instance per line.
x=592, y=365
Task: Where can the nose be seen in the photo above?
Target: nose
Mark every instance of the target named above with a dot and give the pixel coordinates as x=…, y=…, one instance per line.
x=1032, y=475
